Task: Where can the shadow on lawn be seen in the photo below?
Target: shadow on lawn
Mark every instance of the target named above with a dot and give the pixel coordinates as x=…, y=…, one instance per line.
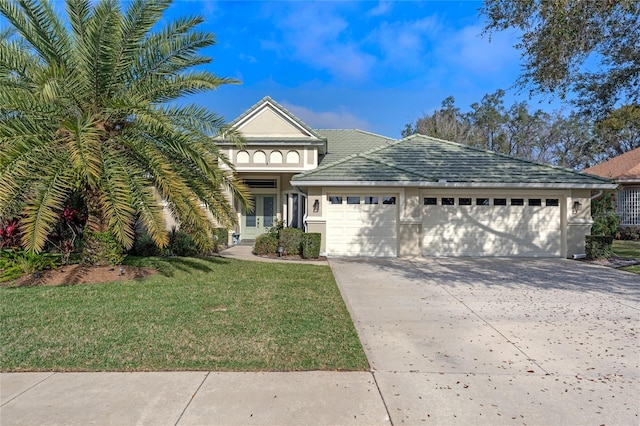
x=168, y=266
x=513, y=272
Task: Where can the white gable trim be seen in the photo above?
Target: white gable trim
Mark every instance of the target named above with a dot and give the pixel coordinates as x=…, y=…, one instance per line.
x=272, y=122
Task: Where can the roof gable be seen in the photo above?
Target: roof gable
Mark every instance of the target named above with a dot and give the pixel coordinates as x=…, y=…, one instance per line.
x=622, y=167
x=426, y=160
x=268, y=119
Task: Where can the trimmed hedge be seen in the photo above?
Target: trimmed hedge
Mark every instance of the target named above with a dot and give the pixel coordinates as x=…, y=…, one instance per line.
x=598, y=246
x=265, y=244
x=290, y=239
x=311, y=245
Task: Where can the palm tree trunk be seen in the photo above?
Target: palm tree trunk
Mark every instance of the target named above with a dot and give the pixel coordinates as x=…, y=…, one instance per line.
x=100, y=248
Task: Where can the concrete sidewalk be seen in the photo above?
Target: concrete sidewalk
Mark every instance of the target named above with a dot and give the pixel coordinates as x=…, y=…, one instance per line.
x=191, y=398
x=244, y=252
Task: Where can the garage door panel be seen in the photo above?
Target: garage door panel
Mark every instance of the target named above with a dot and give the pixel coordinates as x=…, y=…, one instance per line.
x=362, y=230
x=491, y=231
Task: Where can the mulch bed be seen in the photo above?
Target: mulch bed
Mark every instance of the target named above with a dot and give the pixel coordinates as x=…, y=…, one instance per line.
x=79, y=274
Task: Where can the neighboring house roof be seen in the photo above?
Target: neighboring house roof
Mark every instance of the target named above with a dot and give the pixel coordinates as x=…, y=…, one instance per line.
x=427, y=161
x=625, y=167
x=343, y=143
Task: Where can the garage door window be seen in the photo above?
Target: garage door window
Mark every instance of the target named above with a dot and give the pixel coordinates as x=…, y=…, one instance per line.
x=448, y=202
x=388, y=200
x=552, y=202
x=353, y=200
x=430, y=201
x=499, y=201
x=517, y=201
x=371, y=200
x=464, y=201
x=335, y=200
x=482, y=201
x=535, y=202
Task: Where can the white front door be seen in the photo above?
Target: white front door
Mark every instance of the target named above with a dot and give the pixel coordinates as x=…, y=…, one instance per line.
x=261, y=218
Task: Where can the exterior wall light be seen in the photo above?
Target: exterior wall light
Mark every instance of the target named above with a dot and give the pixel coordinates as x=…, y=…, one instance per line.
x=577, y=206
x=316, y=206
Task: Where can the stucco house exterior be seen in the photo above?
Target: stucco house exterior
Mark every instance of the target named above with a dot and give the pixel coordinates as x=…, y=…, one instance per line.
x=369, y=195
x=625, y=171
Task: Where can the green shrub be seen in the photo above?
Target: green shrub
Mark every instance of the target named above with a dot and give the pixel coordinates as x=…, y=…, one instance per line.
x=605, y=224
x=605, y=218
x=144, y=245
x=275, y=229
x=220, y=238
x=265, y=244
x=311, y=245
x=291, y=241
x=14, y=264
x=181, y=244
x=629, y=233
x=598, y=246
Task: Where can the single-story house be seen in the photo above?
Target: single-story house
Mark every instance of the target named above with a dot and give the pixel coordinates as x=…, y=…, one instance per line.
x=625, y=171
x=370, y=195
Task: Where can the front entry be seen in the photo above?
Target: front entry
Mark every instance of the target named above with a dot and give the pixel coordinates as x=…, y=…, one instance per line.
x=261, y=219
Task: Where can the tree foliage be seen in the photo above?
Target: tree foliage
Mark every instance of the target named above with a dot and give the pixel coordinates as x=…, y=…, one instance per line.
x=86, y=106
x=572, y=141
x=589, y=47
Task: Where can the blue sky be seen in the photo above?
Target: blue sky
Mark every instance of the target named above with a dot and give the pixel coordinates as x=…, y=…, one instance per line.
x=365, y=64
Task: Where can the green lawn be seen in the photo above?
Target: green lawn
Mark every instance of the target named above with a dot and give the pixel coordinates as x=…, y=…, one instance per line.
x=630, y=250
x=197, y=314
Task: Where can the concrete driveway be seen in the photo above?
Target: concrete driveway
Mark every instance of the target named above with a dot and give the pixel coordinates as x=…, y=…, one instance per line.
x=491, y=341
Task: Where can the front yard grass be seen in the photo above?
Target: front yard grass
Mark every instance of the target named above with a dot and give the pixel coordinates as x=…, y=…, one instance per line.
x=628, y=250
x=197, y=314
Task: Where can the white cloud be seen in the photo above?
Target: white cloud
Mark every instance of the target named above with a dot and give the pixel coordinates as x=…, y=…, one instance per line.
x=382, y=8
x=406, y=43
x=210, y=9
x=468, y=49
x=247, y=58
x=340, y=119
x=318, y=36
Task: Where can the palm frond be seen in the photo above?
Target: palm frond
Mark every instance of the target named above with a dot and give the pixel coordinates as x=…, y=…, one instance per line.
x=43, y=207
x=39, y=25
x=116, y=199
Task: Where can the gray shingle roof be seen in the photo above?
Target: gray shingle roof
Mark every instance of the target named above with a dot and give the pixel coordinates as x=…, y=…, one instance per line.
x=343, y=143
x=424, y=159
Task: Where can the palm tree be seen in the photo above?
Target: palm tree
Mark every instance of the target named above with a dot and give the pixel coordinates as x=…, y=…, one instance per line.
x=87, y=105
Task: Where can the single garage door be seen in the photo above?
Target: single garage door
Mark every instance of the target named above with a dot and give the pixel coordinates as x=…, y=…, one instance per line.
x=491, y=226
x=362, y=225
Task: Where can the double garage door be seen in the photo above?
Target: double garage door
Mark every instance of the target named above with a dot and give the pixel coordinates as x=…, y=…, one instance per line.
x=363, y=225
x=491, y=226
